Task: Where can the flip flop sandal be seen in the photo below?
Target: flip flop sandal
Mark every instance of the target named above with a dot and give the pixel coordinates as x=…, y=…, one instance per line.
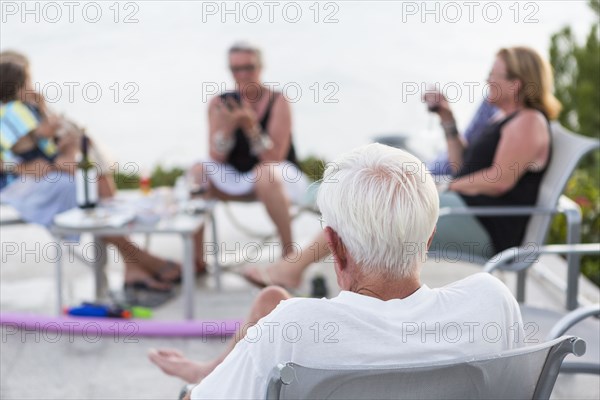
x=143, y=285
x=265, y=279
x=166, y=268
x=139, y=293
x=170, y=266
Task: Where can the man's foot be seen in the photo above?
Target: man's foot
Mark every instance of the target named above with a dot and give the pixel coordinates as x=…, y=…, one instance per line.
x=275, y=274
x=173, y=362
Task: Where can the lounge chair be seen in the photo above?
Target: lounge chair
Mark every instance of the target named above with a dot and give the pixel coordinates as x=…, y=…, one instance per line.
x=524, y=373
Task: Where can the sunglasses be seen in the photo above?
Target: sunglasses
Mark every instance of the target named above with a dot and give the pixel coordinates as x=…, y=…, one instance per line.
x=242, y=68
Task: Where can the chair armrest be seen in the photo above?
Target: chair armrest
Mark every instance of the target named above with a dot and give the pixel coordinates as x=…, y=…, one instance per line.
x=496, y=211
x=513, y=259
x=9, y=216
x=15, y=221
x=565, y=205
x=525, y=256
x=578, y=248
x=572, y=318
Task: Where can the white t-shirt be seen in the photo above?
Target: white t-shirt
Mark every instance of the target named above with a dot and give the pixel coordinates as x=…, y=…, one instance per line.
x=474, y=316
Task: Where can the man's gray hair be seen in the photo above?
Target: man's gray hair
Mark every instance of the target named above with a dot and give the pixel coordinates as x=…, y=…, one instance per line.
x=247, y=47
x=383, y=204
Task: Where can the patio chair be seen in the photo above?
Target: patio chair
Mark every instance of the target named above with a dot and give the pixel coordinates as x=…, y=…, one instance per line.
x=549, y=324
x=306, y=204
x=590, y=364
x=568, y=149
x=524, y=373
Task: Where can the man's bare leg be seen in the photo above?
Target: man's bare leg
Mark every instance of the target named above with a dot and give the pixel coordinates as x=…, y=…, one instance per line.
x=173, y=362
x=139, y=264
x=269, y=190
x=288, y=271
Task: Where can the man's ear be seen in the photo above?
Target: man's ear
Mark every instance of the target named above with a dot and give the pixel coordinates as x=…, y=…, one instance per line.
x=338, y=250
x=430, y=240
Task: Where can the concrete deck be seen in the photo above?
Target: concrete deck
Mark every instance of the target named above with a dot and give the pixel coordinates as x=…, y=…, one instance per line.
x=44, y=366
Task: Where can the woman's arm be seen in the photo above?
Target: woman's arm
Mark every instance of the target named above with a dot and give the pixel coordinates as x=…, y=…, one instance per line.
x=524, y=145
x=220, y=130
x=454, y=142
x=48, y=127
x=456, y=147
x=280, y=131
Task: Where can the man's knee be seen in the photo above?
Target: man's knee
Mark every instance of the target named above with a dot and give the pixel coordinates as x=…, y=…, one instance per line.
x=270, y=297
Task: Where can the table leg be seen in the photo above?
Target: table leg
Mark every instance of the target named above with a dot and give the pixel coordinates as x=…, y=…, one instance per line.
x=99, y=264
x=217, y=271
x=59, y=288
x=188, y=276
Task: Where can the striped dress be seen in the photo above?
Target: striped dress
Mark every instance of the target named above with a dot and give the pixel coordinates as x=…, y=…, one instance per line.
x=37, y=200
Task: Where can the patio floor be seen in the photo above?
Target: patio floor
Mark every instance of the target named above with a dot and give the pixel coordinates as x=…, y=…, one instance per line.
x=46, y=366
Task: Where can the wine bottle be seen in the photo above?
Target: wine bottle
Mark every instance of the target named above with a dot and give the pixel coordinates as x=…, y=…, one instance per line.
x=86, y=178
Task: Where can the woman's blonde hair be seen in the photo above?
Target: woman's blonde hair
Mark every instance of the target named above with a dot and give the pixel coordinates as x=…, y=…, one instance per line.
x=535, y=74
x=14, y=57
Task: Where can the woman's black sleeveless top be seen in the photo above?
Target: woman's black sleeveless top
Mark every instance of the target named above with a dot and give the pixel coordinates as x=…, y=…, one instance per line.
x=240, y=157
x=505, y=232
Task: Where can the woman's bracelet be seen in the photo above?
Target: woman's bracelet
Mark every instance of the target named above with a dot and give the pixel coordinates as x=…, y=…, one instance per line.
x=260, y=143
x=450, y=129
x=223, y=144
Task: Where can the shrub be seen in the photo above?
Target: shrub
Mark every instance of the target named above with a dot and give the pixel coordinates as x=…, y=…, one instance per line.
x=159, y=177
x=583, y=188
x=313, y=167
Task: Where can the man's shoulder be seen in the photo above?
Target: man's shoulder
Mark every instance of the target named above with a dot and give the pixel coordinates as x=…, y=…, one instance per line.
x=301, y=303
x=292, y=309
x=480, y=278
x=483, y=284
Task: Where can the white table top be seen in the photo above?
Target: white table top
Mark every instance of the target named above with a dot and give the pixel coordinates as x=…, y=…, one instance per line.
x=146, y=215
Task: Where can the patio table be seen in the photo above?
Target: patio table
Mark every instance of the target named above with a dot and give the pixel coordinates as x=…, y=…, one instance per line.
x=180, y=223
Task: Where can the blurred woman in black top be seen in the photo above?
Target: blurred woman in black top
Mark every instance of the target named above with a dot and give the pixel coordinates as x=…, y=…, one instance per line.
x=505, y=165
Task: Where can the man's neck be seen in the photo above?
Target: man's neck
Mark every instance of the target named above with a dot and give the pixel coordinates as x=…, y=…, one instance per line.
x=387, y=289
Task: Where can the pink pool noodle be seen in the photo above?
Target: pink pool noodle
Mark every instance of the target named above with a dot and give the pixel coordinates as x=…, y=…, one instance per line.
x=122, y=327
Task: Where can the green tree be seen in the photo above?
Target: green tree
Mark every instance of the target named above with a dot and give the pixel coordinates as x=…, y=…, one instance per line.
x=577, y=77
x=577, y=86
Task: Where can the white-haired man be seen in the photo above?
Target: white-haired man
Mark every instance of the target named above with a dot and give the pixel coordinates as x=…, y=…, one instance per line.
x=380, y=207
